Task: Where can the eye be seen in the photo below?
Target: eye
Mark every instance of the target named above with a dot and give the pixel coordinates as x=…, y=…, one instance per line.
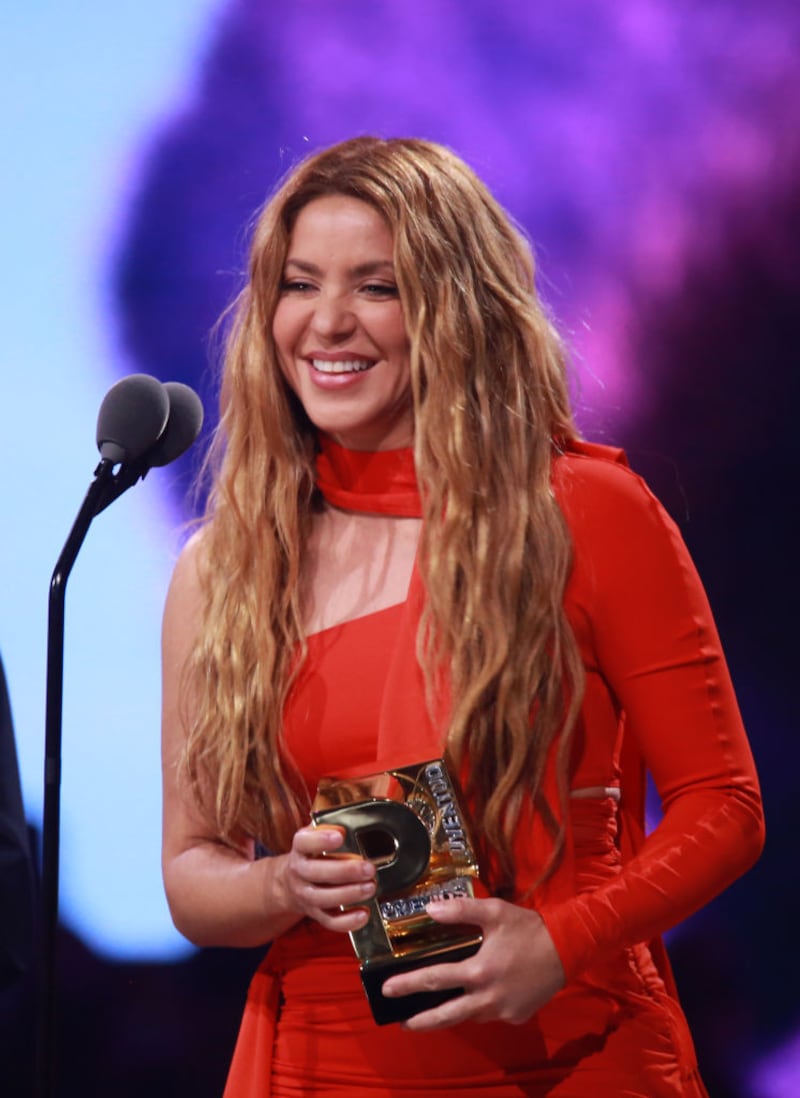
x=380, y=289
x=295, y=286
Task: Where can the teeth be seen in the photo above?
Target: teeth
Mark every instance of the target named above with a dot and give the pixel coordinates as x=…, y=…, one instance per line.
x=356, y=366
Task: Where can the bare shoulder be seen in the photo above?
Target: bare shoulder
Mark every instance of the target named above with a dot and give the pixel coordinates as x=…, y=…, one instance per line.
x=184, y=590
x=183, y=605
x=179, y=637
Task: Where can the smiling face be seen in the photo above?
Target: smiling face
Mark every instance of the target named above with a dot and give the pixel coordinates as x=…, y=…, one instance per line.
x=339, y=328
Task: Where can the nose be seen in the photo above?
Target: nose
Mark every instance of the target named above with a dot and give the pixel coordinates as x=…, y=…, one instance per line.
x=332, y=319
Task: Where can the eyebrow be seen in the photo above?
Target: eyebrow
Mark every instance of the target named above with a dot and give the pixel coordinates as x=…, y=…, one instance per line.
x=378, y=266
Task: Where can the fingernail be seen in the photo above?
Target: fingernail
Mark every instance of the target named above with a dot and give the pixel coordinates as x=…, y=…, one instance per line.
x=332, y=838
x=436, y=907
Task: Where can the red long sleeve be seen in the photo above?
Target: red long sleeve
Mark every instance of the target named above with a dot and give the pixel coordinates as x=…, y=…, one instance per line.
x=639, y=605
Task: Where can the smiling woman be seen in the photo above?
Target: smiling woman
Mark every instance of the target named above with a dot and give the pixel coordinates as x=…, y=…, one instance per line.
x=410, y=555
x=339, y=328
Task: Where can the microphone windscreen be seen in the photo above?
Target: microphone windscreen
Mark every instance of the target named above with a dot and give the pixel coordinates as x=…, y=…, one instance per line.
x=132, y=417
x=183, y=425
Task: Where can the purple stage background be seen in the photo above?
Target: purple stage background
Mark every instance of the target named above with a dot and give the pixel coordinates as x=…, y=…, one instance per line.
x=652, y=151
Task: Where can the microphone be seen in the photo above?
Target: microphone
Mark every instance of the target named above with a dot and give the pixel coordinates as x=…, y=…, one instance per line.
x=183, y=425
x=133, y=415
x=141, y=424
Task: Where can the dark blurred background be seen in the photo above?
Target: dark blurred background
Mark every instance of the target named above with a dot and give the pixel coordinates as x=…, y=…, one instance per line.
x=651, y=151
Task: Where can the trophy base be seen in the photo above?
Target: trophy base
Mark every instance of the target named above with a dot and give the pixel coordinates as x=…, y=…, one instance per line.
x=384, y=1011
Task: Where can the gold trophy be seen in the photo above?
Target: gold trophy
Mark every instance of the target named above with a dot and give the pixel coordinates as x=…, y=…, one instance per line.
x=411, y=827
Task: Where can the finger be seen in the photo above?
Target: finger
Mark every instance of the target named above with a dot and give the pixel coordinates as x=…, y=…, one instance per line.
x=316, y=842
x=464, y=1008
x=343, y=922
x=326, y=898
x=460, y=909
x=334, y=872
x=431, y=978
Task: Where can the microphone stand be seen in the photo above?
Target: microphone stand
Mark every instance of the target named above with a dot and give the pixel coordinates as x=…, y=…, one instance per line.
x=155, y=423
x=104, y=489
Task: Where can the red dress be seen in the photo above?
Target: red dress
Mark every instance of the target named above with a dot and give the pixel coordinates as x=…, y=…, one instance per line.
x=657, y=688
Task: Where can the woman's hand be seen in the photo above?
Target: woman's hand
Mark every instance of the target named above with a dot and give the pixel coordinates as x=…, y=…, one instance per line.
x=319, y=886
x=514, y=973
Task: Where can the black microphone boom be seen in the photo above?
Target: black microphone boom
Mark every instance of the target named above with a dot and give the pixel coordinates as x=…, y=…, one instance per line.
x=141, y=423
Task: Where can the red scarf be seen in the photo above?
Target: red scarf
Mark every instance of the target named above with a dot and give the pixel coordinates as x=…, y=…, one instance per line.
x=385, y=483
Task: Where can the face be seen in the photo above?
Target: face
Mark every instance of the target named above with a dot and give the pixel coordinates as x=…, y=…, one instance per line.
x=339, y=327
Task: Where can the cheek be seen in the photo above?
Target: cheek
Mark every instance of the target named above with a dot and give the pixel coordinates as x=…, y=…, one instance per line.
x=279, y=327
x=396, y=336
x=288, y=373
x=287, y=324
x=282, y=342
x=283, y=346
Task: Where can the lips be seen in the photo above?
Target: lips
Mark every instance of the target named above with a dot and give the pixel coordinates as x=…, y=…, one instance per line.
x=341, y=366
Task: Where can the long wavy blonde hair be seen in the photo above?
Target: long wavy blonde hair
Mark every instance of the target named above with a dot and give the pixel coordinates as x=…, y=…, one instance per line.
x=490, y=403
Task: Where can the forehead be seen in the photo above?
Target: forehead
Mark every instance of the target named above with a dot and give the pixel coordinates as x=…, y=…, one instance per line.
x=340, y=223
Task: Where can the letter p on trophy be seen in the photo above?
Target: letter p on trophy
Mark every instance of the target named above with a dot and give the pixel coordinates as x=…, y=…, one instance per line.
x=409, y=824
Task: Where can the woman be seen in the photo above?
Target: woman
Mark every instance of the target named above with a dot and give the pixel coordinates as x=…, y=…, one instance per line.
x=408, y=552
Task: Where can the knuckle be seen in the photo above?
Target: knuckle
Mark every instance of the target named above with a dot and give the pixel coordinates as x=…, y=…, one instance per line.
x=477, y=972
x=512, y=1013
x=307, y=892
x=430, y=980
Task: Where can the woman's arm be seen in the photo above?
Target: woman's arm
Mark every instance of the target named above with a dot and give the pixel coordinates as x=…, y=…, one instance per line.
x=219, y=894
x=657, y=647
